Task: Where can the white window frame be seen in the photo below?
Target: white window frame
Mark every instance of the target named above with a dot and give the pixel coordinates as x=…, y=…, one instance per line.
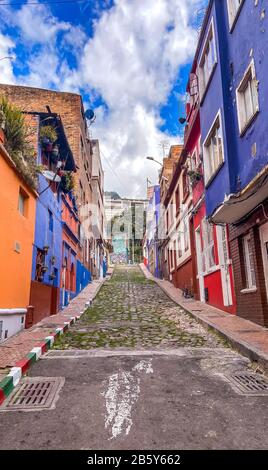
x=249, y=267
x=208, y=246
x=171, y=257
x=233, y=12
x=210, y=37
x=210, y=175
x=249, y=77
x=180, y=248
x=186, y=234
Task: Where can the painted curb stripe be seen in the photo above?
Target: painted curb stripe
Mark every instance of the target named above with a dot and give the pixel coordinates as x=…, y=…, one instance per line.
x=59, y=331
x=51, y=339
x=16, y=374
x=2, y=396
x=37, y=351
x=6, y=385
x=23, y=364
x=32, y=358
x=43, y=347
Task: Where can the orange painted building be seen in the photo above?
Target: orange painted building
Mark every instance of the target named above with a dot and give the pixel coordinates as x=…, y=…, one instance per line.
x=17, y=222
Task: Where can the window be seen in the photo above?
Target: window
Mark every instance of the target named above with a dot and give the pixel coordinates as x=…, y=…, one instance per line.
x=167, y=221
x=185, y=184
x=39, y=266
x=22, y=202
x=208, y=244
x=208, y=60
x=50, y=220
x=186, y=234
x=234, y=7
x=177, y=200
x=179, y=246
x=249, y=262
x=175, y=252
x=213, y=150
x=171, y=260
x=247, y=98
x=1, y=329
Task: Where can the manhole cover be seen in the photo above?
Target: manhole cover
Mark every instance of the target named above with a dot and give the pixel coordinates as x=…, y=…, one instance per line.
x=247, y=383
x=34, y=394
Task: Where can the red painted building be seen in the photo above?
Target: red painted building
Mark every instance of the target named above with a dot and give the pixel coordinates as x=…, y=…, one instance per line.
x=70, y=248
x=212, y=266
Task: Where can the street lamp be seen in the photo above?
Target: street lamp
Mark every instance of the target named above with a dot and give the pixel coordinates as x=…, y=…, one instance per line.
x=154, y=160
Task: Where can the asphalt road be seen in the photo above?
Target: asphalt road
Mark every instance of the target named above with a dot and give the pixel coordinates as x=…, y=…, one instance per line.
x=171, y=401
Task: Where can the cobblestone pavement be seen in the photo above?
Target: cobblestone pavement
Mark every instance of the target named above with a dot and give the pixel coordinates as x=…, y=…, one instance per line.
x=131, y=311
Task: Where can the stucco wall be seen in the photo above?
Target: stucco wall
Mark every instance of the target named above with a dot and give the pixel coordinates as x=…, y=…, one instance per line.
x=15, y=273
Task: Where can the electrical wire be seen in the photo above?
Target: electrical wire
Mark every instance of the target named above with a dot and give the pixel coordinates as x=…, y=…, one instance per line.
x=45, y=2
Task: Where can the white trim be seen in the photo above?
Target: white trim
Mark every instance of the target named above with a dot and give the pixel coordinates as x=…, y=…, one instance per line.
x=247, y=291
x=209, y=178
x=203, y=86
x=233, y=17
x=249, y=280
x=249, y=76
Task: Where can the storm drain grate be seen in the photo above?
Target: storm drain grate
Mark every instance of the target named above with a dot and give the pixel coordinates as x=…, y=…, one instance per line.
x=34, y=394
x=248, y=383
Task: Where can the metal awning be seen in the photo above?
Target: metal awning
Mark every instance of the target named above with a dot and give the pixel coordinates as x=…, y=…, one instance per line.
x=237, y=206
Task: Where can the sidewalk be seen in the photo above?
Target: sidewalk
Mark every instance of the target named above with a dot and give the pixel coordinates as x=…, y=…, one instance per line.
x=249, y=339
x=17, y=347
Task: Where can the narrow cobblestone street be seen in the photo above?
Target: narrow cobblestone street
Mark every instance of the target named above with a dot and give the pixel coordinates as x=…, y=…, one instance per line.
x=137, y=372
x=131, y=311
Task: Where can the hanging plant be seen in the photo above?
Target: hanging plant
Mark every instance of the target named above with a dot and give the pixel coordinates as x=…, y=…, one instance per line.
x=67, y=182
x=194, y=176
x=17, y=141
x=48, y=134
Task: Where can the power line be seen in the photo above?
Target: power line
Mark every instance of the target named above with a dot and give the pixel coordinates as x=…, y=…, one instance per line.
x=114, y=172
x=45, y=2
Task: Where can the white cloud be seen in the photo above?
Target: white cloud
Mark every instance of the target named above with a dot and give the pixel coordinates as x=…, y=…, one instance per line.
x=38, y=25
x=6, y=57
x=131, y=61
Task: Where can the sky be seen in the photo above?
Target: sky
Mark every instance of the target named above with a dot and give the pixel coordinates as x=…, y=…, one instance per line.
x=129, y=59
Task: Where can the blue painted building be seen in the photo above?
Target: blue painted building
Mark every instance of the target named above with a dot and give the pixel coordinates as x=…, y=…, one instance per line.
x=56, y=158
x=232, y=64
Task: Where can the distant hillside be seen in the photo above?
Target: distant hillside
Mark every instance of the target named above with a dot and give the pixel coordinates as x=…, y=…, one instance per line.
x=112, y=194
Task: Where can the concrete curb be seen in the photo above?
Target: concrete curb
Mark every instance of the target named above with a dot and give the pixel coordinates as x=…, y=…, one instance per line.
x=12, y=379
x=240, y=346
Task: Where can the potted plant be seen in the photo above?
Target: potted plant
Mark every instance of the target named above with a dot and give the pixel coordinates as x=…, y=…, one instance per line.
x=53, y=259
x=44, y=269
x=67, y=182
x=194, y=176
x=48, y=136
x=52, y=277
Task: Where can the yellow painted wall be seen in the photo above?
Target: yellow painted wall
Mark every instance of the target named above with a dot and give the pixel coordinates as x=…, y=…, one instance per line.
x=15, y=268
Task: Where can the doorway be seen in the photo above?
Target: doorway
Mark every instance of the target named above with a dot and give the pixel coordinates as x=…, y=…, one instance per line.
x=199, y=256
x=264, y=246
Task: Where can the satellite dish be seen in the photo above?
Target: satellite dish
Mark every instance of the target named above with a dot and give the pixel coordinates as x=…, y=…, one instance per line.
x=50, y=175
x=90, y=114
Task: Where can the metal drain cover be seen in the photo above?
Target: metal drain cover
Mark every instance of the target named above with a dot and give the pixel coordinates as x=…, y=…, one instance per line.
x=248, y=383
x=34, y=394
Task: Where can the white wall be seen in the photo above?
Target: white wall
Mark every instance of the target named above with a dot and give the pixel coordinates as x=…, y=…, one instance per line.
x=13, y=321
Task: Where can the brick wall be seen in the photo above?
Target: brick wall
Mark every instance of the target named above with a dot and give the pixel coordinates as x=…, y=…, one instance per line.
x=250, y=305
x=182, y=277
x=70, y=107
